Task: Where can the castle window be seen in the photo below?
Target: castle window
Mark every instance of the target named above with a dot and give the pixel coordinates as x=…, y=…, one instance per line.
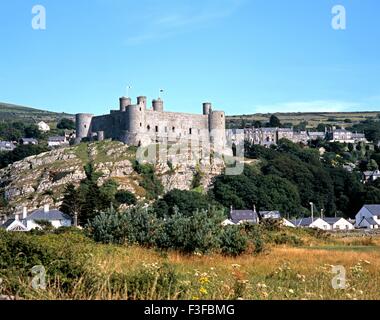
x=85, y=125
x=140, y=124
x=140, y=109
x=156, y=128
x=166, y=129
x=148, y=127
x=190, y=131
x=173, y=129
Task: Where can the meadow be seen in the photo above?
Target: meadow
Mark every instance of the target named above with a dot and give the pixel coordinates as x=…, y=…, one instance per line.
x=78, y=268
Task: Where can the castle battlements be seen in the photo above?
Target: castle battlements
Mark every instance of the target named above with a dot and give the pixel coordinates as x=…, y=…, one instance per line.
x=138, y=125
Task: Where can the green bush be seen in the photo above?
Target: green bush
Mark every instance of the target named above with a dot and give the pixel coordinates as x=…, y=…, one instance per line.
x=232, y=241
x=125, y=197
x=64, y=259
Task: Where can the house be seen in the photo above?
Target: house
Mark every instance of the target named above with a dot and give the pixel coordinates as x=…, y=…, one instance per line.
x=242, y=216
x=339, y=224
x=27, y=141
x=55, y=217
x=57, y=141
x=14, y=224
x=270, y=214
x=43, y=126
x=368, y=217
x=370, y=176
x=316, y=135
x=7, y=146
x=317, y=223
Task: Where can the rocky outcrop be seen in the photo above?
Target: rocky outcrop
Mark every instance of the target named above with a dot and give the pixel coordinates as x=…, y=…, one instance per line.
x=41, y=179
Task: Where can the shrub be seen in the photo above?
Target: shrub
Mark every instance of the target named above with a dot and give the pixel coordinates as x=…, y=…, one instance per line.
x=233, y=241
x=125, y=197
x=198, y=233
x=64, y=259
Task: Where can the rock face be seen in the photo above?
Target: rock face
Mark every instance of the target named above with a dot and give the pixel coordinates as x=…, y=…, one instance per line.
x=41, y=179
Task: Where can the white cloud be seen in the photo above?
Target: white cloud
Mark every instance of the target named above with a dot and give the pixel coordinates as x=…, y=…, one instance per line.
x=309, y=106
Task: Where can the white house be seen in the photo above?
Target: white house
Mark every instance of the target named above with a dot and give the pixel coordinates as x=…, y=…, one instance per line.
x=43, y=126
x=337, y=224
x=14, y=224
x=55, y=217
x=317, y=223
x=7, y=146
x=368, y=217
x=57, y=141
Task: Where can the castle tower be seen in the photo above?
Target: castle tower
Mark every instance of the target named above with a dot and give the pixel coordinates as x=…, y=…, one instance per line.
x=217, y=127
x=83, y=126
x=124, y=103
x=141, y=101
x=207, y=108
x=158, y=105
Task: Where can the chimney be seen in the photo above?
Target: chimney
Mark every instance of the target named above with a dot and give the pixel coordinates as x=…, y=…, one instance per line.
x=24, y=213
x=46, y=208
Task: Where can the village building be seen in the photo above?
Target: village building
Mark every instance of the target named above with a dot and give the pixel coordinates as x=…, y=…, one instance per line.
x=337, y=224
x=43, y=126
x=371, y=176
x=57, y=141
x=7, y=146
x=28, y=141
x=368, y=217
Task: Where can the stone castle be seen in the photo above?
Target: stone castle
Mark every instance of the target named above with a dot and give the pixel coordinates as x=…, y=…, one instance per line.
x=138, y=125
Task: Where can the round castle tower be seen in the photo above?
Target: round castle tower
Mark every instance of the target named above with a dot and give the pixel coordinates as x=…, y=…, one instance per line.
x=217, y=127
x=158, y=105
x=124, y=103
x=83, y=125
x=207, y=108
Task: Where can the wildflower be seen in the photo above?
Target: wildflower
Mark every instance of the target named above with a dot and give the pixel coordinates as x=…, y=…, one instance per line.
x=367, y=262
x=195, y=298
x=204, y=280
x=203, y=291
x=236, y=266
x=291, y=291
x=262, y=285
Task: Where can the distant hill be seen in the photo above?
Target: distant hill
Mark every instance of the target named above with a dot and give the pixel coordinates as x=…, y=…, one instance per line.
x=10, y=112
x=343, y=119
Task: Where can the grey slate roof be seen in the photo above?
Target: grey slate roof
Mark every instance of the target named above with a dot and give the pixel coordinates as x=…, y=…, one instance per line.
x=303, y=222
x=243, y=215
x=7, y=223
x=29, y=140
x=373, y=208
x=57, y=139
x=40, y=214
x=331, y=221
x=7, y=145
x=370, y=221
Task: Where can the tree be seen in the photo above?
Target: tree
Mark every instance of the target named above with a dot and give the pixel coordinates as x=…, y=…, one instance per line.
x=274, y=122
x=72, y=201
x=186, y=202
x=66, y=124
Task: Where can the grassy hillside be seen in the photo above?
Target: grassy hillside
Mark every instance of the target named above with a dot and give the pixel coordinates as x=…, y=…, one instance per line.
x=10, y=112
x=312, y=118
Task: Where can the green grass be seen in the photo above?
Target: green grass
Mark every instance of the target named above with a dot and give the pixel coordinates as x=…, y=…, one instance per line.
x=344, y=248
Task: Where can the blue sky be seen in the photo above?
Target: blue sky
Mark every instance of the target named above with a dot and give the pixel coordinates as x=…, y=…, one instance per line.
x=244, y=56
